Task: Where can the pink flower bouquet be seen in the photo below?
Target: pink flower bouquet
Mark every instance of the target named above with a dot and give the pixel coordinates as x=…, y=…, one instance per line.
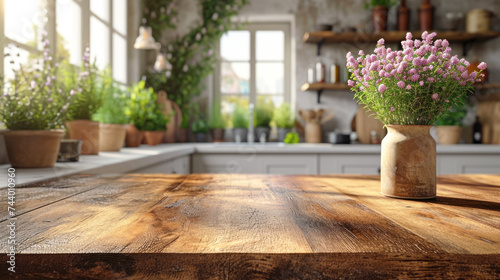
x=415, y=86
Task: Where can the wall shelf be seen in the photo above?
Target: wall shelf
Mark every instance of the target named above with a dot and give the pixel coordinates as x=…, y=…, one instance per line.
x=466, y=38
x=319, y=87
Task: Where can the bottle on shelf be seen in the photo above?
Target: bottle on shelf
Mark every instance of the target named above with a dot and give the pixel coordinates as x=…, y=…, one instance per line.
x=320, y=71
x=477, y=136
x=334, y=73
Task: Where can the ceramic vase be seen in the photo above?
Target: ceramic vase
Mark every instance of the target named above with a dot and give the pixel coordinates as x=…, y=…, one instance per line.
x=32, y=148
x=408, y=162
x=379, y=16
x=426, y=16
x=88, y=132
x=403, y=17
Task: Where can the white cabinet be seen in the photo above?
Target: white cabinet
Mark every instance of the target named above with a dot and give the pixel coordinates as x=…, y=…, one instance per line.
x=180, y=165
x=254, y=163
x=367, y=164
x=468, y=164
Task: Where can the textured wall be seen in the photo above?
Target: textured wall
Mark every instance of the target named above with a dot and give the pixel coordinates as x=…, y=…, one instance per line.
x=352, y=13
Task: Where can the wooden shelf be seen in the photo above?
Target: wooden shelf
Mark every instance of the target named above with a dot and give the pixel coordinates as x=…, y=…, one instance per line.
x=487, y=86
x=392, y=36
x=324, y=86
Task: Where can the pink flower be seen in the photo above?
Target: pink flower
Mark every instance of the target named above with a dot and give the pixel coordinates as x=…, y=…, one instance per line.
x=435, y=96
x=421, y=83
x=401, y=84
x=350, y=83
x=447, y=101
x=381, y=42
x=408, y=87
x=482, y=66
x=392, y=109
x=382, y=88
x=360, y=53
x=409, y=36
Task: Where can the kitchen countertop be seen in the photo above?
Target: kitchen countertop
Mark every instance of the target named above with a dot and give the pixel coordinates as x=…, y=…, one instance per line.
x=227, y=226
x=130, y=159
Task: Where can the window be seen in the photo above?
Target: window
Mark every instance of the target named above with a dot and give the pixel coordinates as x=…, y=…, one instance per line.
x=254, y=66
x=71, y=26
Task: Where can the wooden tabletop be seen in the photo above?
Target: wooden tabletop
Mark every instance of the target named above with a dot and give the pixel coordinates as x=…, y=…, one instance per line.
x=220, y=226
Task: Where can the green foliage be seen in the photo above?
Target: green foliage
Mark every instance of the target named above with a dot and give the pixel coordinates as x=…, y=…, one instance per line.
x=292, y=138
x=142, y=109
x=283, y=117
x=88, y=85
x=263, y=111
x=216, y=120
x=240, y=118
x=199, y=126
x=190, y=57
x=114, y=102
x=33, y=100
x=386, y=3
x=454, y=116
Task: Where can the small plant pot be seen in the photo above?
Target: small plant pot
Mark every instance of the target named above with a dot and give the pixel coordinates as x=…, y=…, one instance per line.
x=88, y=132
x=154, y=138
x=240, y=134
x=449, y=134
x=200, y=137
x=262, y=130
x=111, y=136
x=218, y=135
x=133, y=136
x=282, y=132
x=69, y=150
x=32, y=148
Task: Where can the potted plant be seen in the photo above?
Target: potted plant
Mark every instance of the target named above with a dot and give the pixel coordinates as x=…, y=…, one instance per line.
x=111, y=117
x=380, y=9
x=263, y=117
x=200, y=129
x=408, y=91
x=449, y=127
x=217, y=124
x=240, y=124
x=284, y=121
x=32, y=107
x=86, y=101
x=156, y=126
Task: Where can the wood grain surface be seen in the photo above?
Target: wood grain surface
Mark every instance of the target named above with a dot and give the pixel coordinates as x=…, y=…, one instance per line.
x=222, y=226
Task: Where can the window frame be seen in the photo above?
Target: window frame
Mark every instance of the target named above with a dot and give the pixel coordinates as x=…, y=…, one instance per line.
x=285, y=23
x=51, y=28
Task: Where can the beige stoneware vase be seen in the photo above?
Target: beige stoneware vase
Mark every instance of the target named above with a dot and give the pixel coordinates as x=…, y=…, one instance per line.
x=408, y=162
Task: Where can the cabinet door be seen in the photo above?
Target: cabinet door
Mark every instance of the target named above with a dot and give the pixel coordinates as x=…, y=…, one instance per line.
x=350, y=164
x=469, y=164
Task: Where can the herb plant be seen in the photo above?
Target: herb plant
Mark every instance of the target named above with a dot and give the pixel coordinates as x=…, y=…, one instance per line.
x=292, y=138
x=263, y=112
x=142, y=110
x=454, y=117
x=33, y=99
x=415, y=86
x=386, y=3
x=112, y=110
x=240, y=118
x=199, y=126
x=283, y=117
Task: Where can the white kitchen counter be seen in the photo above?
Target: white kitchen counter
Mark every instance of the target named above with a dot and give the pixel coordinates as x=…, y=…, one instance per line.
x=131, y=159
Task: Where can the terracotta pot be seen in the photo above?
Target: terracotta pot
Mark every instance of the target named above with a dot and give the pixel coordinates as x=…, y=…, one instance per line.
x=111, y=136
x=379, y=15
x=133, y=136
x=408, y=162
x=154, y=138
x=449, y=134
x=32, y=148
x=181, y=135
x=403, y=17
x=218, y=134
x=88, y=132
x=426, y=16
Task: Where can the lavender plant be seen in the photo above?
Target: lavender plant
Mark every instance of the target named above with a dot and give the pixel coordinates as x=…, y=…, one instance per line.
x=414, y=86
x=33, y=99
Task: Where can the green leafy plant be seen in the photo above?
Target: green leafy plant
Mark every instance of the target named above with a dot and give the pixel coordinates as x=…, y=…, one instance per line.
x=88, y=85
x=142, y=110
x=263, y=112
x=199, y=126
x=112, y=110
x=454, y=117
x=216, y=120
x=415, y=86
x=190, y=58
x=34, y=99
x=386, y=3
x=292, y=138
x=283, y=117
x=240, y=118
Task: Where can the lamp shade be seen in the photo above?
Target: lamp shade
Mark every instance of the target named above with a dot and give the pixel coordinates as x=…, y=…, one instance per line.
x=145, y=40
